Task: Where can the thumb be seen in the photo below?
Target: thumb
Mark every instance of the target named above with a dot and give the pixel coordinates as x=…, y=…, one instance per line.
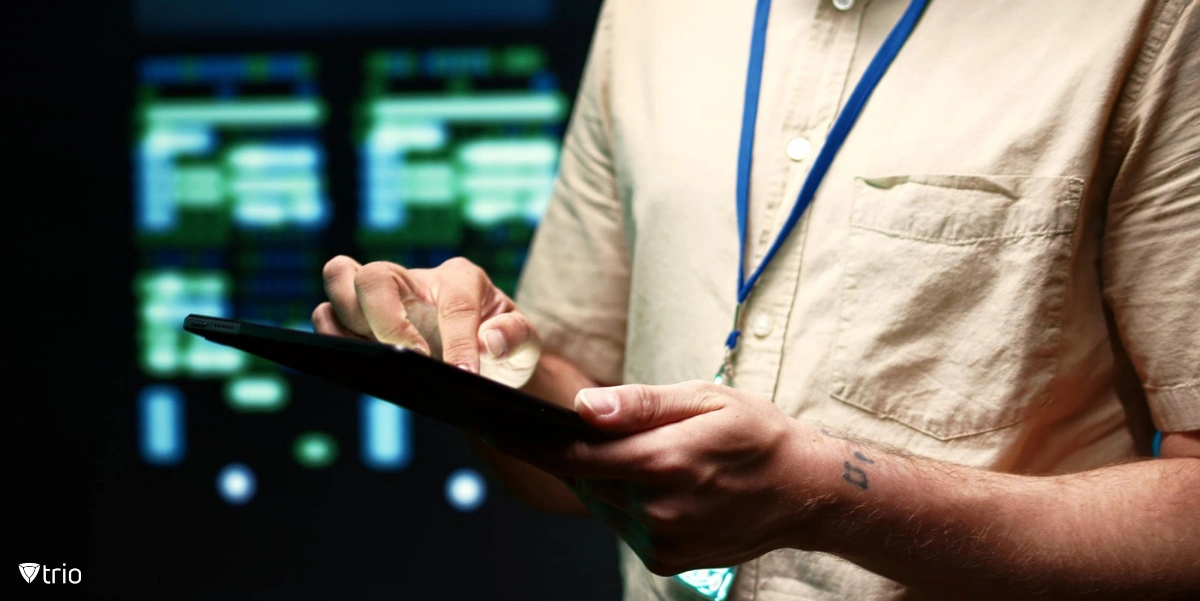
x=636, y=407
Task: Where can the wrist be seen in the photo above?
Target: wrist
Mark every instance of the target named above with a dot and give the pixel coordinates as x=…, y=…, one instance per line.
x=845, y=490
x=815, y=494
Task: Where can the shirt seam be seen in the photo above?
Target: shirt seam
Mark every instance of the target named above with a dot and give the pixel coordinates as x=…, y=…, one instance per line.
x=1161, y=30
x=1180, y=386
x=966, y=241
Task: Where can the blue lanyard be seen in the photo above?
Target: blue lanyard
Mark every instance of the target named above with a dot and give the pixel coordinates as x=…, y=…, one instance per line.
x=714, y=583
x=837, y=135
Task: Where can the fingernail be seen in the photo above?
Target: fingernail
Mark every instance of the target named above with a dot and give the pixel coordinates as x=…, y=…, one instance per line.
x=465, y=367
x=600, y=400
x=496, y=345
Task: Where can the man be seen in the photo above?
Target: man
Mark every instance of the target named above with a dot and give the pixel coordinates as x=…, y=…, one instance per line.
x=948, y=376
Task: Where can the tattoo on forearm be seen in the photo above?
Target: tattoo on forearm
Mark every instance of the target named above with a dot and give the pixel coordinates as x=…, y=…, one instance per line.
x=837, y=436
x=853, y=474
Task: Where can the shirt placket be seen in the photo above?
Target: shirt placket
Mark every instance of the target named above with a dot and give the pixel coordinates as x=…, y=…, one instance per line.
x=817, y=81
x=814, y=96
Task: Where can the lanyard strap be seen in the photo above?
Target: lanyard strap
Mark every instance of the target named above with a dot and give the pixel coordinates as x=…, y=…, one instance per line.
x=837, y=135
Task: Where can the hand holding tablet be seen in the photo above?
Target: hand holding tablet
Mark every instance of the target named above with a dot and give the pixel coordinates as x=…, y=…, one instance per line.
x=452, y=312
x=405, y=377
x=444, y=342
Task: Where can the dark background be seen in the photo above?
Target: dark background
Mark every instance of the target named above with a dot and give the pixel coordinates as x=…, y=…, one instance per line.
x=82, y=497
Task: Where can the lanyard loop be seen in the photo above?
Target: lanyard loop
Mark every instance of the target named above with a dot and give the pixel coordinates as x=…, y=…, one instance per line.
x=837, y=135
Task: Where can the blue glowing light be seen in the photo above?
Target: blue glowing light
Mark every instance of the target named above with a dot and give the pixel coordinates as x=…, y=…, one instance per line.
x=382, y=174
x=712, y=583
x=385, y=434
x=465, y=489
x=275, y=185
x=156, y=206
x=236, y=484
x=161, y=424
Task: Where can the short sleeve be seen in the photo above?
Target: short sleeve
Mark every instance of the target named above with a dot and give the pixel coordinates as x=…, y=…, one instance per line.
x=575, y=285
x=1151, y=248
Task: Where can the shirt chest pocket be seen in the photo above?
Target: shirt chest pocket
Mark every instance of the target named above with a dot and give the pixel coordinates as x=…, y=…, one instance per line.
x=952, y=298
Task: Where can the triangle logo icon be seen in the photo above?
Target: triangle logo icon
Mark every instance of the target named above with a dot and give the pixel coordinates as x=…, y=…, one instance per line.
x=29, y=571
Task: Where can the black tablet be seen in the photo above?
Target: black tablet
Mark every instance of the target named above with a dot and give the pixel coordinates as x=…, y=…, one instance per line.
x=406, y=378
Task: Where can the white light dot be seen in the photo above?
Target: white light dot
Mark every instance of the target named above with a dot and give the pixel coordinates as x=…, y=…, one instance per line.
x=236, y=484
x=465, y=489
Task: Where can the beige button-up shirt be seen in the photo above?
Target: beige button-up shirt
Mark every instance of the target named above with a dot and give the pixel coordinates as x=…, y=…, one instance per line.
x=1001, y=269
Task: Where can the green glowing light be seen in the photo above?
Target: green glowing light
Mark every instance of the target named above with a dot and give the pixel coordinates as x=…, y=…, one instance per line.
x=242, y=112
x=487, y=211
x=282, y=185
x=165, y=297
x=263, y=156
x=315, y=449
x=493, y=153
x=258, y=67
x=482, y=108
x=257, y=393
x=204, y=358
x=401, y=64
x=451, y=61
x=200, y=186
x=417, y=136
x=504, y=182
x=308, y=66
x=523, y=60
x=160, y=361
x=428, y=183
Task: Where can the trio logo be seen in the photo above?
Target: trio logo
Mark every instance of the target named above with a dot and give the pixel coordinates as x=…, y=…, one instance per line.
x=29, y=571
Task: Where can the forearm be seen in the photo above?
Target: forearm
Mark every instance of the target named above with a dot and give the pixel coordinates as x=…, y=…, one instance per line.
x=1124, y=531
x=558, y=381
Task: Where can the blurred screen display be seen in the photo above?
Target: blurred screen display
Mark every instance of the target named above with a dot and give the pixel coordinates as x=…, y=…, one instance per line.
x=266, y=139
x=458, y=155
x=457, y=152
x=168, y=17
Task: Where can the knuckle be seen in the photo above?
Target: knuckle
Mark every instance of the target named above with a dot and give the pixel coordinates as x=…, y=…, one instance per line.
x=459, y=264
x=463, y=271
x=668, y=463
x=370, y=275
x=575, y=454
x=457, y=307
x=337, y=267
x=662, y=516
x=702, y=390
x=642, y=404
x=704, y=395
x=458, y=350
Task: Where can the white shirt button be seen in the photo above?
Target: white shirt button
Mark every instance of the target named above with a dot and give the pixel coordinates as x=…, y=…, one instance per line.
x=843, y=5
x=798, y=149
x=762, y=325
